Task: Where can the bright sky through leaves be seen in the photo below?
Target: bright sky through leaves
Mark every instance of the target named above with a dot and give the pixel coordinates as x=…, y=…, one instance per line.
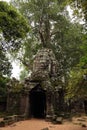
x=5, y=0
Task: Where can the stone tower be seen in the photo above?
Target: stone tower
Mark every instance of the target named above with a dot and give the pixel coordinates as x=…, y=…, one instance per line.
x=40, y=93
x=37, y=97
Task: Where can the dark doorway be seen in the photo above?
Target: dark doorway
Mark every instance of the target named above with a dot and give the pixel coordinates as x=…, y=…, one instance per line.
x=38, y=102
x=3, y=106
x=85, y=106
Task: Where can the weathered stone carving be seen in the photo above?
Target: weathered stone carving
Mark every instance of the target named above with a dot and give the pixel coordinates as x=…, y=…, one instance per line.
x=44, y=68
x=39, y=85
x=45, y=61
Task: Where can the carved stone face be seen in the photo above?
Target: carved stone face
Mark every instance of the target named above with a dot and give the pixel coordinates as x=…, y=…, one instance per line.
x=41, y=62
x=44, y=61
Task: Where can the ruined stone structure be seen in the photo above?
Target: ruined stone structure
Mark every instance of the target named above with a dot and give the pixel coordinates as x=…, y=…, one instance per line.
x=37, y=97
x=40, y=90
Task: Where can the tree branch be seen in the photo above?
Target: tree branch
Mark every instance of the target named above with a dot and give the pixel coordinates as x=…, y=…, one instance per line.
x=41, y=32
x=53, y=33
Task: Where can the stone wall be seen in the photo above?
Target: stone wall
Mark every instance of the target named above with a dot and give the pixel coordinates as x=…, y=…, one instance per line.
x=13, y=103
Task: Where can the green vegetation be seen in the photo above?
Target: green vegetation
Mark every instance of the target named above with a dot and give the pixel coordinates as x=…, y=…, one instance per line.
x=46, y=23
x=3, y=88
x=51, y=27
x=5, y=65
x=13, y=26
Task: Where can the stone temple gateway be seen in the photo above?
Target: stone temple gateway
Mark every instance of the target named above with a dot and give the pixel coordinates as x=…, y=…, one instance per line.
x=38, y=97
x=40, y=89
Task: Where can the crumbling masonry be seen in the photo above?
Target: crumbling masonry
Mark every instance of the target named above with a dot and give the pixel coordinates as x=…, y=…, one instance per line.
x=37, y=99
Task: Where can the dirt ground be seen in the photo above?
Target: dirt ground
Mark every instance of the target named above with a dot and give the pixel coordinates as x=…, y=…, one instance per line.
x=37, y=124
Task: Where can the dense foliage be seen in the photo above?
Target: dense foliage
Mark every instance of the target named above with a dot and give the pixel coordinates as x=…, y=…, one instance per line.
x=5, y=65
x=3, y=88
x=77, y=84
x=51, y=27
x=14, y=86
x=13, y=26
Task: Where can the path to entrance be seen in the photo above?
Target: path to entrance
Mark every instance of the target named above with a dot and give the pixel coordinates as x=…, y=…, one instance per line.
x=36, y=124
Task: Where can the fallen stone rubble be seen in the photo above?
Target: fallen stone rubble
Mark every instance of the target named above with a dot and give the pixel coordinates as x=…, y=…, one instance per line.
x=8, y=120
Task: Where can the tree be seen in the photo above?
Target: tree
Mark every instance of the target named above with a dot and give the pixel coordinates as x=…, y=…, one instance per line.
x=5, y=73
x=5, y=65
x=83, y=60
x=13, y=29
x=3, y=88
x=13, y=26
x=51, y=28
x=42, y=16
x=77, y=84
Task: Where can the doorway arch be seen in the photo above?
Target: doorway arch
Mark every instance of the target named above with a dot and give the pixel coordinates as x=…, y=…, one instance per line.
x=37, y=98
